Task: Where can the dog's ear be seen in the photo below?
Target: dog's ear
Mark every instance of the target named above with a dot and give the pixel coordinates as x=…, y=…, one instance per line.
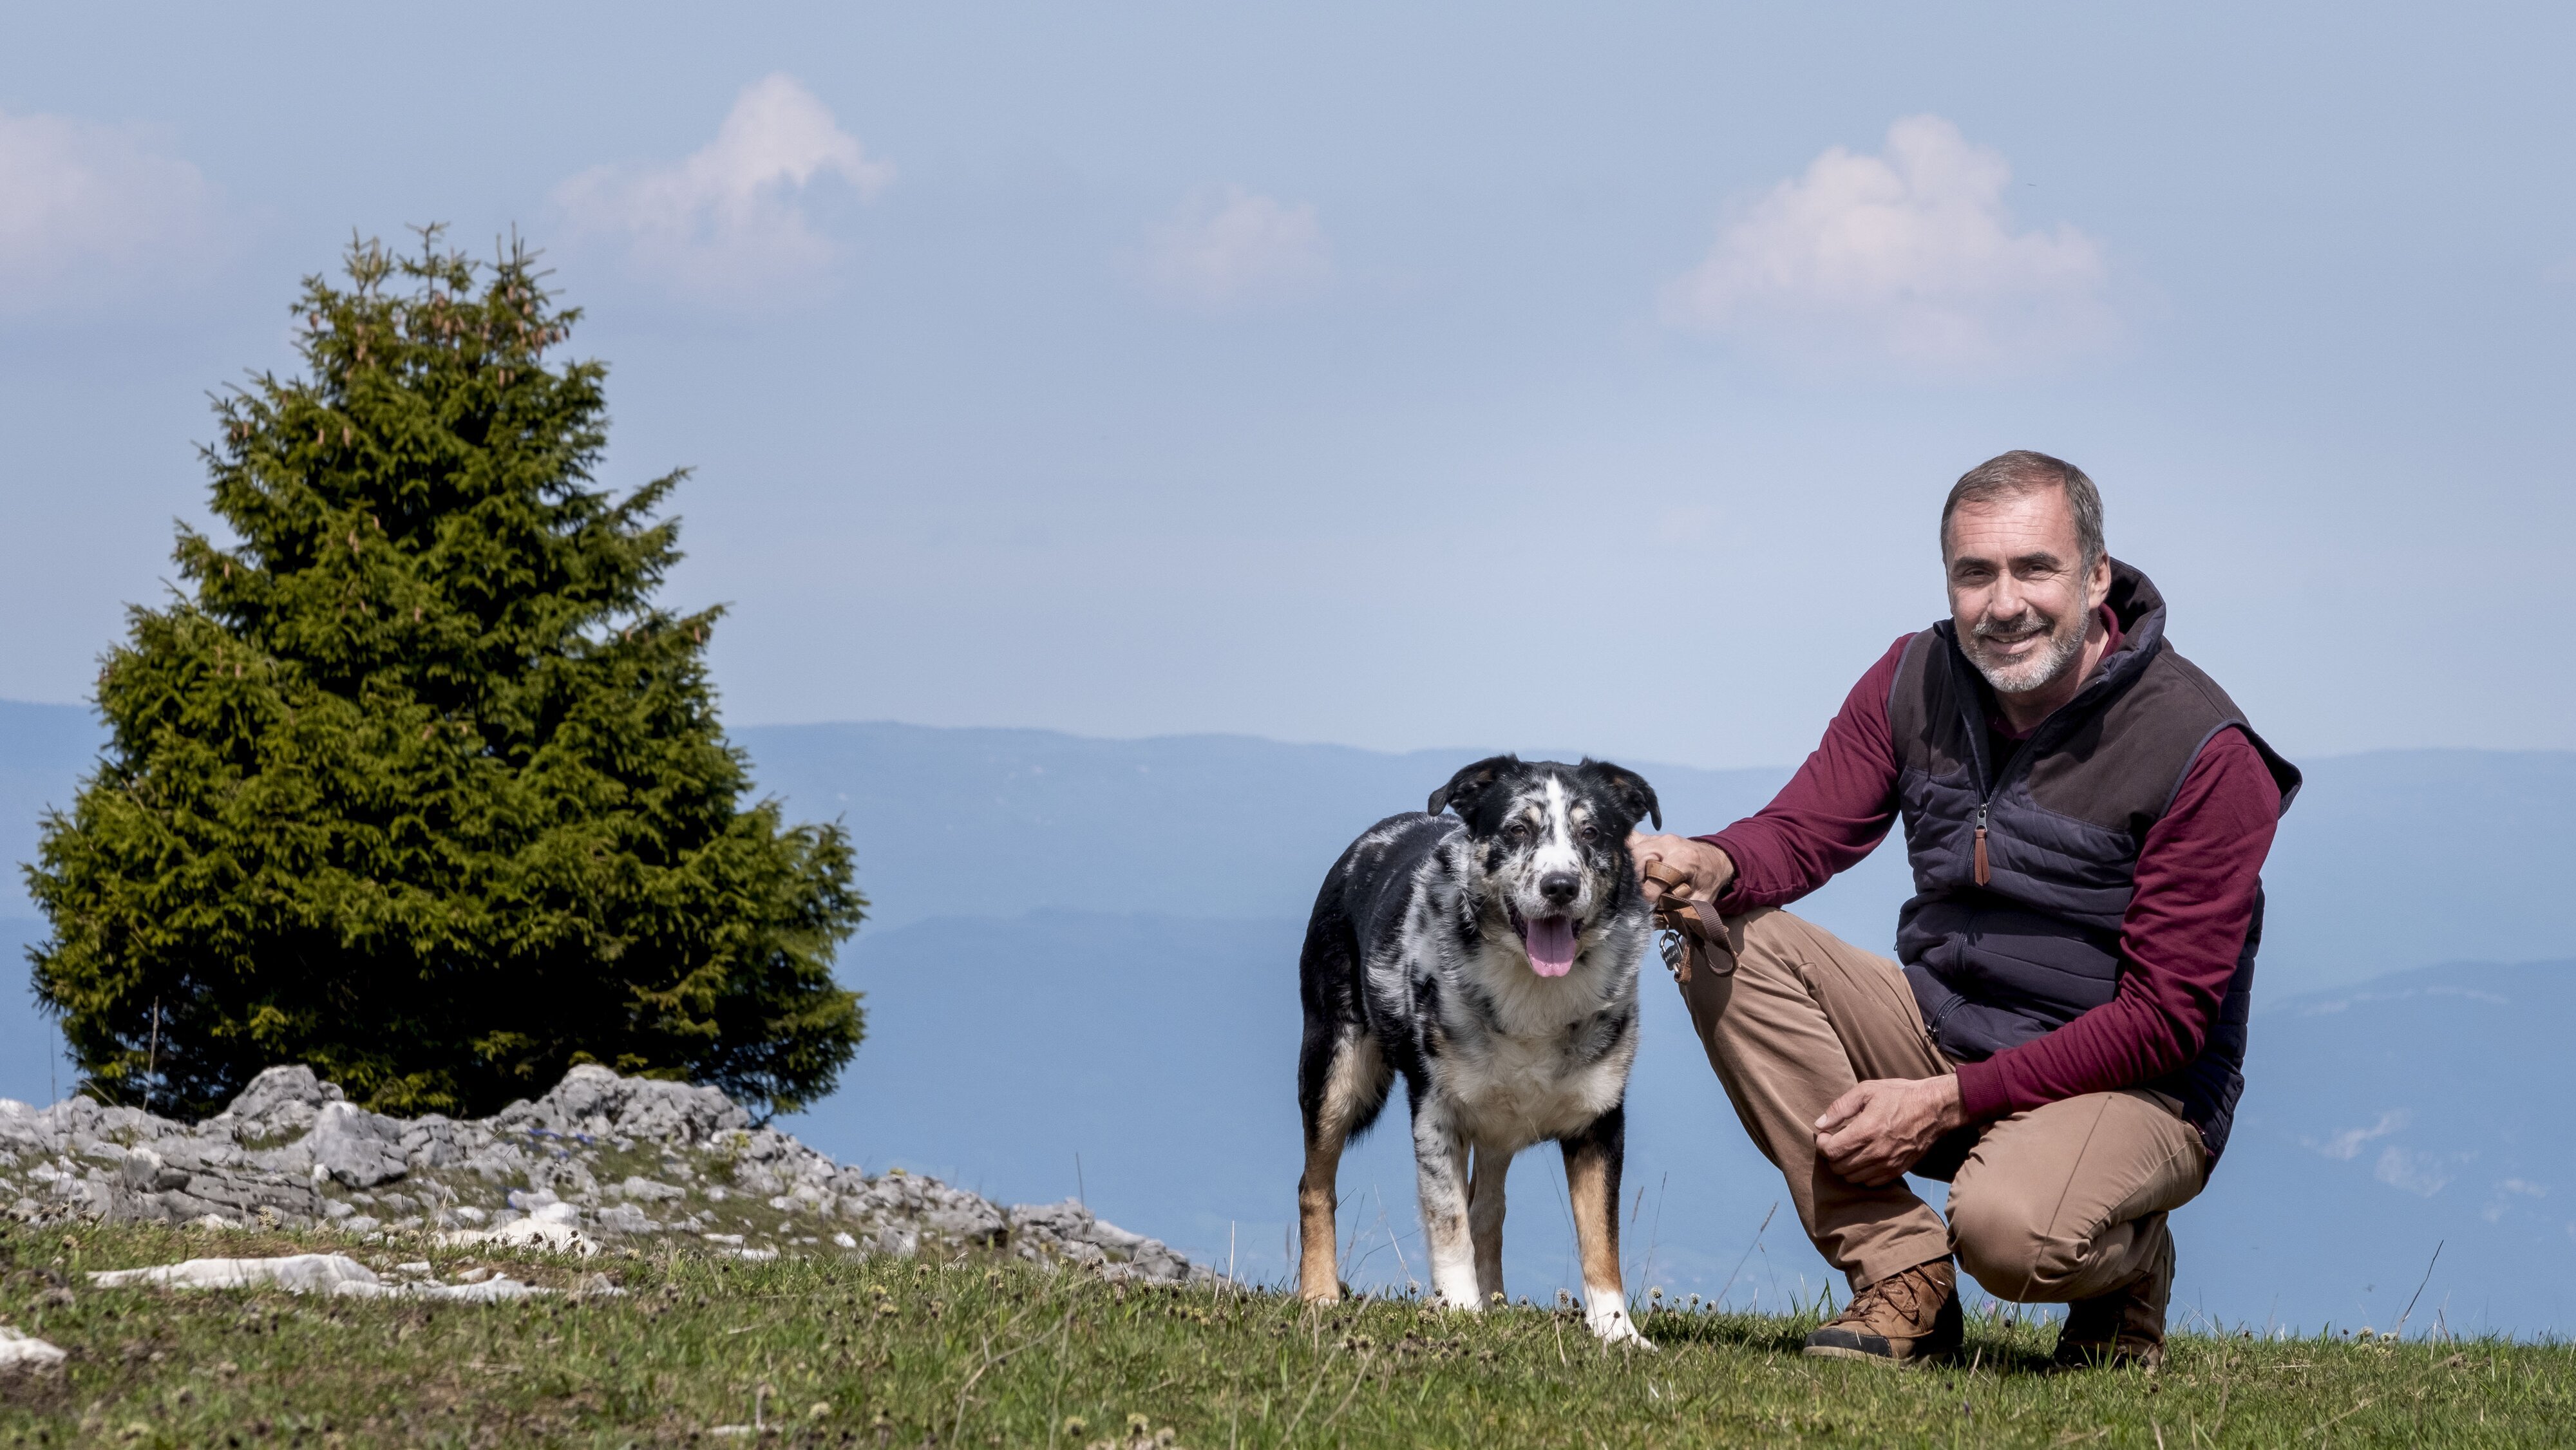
x=1471, y=782
x=1636, y=798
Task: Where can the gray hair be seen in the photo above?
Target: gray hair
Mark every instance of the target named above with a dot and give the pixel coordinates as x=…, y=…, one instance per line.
x=2020, y=472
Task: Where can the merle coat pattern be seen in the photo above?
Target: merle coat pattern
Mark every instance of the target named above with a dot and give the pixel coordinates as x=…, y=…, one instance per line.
x=1489, y=958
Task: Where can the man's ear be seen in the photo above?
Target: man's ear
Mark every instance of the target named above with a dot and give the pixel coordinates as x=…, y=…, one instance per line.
x=1471, y=782
x=1636, y=798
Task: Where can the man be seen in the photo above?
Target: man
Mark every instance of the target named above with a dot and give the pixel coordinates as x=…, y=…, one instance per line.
x=2087, y=816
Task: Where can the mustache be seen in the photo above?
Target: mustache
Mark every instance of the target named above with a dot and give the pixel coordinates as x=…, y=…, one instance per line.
x=2029, y=621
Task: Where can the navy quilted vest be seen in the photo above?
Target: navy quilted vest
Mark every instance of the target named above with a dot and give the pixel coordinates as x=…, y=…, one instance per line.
x=2039, y=943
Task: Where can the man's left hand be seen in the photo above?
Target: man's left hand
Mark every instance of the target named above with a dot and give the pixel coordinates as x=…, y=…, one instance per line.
x=1873, y=1133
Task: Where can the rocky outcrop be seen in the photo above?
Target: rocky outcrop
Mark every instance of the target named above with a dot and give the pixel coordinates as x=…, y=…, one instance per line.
x=602, y=1157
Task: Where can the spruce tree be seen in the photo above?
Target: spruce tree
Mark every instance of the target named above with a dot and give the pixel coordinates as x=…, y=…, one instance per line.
x=411, y=779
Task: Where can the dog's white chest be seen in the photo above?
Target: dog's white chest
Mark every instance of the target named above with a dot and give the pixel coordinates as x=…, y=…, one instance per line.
x=1510, y=1092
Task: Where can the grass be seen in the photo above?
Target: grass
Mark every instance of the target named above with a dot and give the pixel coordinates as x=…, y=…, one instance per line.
x=832, y=1349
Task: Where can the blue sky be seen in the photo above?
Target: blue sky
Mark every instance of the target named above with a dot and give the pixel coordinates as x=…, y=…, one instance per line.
x=1580, y=377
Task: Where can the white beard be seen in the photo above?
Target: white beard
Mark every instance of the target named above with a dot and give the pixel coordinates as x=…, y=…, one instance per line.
x=2039, y=671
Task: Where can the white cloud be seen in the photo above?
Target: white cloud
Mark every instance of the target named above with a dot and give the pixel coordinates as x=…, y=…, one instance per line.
x=727, y=222
x=88, y=212
x=2417, y=1173
x=1231, y=247
x=2346, y=1145
x=1910, y=256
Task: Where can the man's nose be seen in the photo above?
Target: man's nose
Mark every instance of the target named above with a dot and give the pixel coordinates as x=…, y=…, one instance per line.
x=2003, y=597
x=1559, y=887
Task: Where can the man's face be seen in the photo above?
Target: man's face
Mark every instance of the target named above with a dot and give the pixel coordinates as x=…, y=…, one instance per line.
x=2017, y=595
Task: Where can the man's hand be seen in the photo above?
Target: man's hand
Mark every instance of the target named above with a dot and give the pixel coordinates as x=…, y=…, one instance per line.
x=1706, y=867
x=1873, y=1133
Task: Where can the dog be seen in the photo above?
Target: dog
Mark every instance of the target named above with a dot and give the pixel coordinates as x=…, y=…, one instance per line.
x=1490, y=957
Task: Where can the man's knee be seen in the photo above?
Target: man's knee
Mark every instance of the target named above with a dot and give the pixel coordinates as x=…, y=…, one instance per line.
x=2007, y=1247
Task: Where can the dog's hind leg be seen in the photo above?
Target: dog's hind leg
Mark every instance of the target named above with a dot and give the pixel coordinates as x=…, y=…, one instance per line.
x=1592, y=1160
x=1342, y=1080
x=1485, y=1218
x=1440, y=1179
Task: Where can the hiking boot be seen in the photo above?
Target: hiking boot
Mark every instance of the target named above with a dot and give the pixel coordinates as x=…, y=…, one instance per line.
x=1902, y=1319
x=2125, y=1327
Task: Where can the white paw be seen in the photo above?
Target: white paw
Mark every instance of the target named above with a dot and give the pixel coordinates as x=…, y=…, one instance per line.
x=1464, y=1301
x=1613, y=1326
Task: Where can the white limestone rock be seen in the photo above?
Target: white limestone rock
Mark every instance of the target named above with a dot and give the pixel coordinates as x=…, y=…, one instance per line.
x=555, y=1227
x=24, y=1352
x=295, y=1273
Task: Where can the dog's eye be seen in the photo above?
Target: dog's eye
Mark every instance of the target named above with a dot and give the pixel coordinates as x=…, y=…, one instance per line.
x=1591, y=832
x=1515, y=833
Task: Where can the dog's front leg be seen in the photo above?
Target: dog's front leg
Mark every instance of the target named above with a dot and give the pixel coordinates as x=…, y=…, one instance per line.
x=1485, y=1218
x=1440, y=1179
x=1592, y=1159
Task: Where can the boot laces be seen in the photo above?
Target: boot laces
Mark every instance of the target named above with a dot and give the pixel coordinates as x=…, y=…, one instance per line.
x=1902, y=1292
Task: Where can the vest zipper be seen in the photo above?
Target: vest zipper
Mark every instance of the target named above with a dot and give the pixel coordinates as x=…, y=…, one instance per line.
x=1983, y=874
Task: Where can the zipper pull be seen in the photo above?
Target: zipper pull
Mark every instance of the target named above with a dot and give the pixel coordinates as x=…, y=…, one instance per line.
x=1983, y=874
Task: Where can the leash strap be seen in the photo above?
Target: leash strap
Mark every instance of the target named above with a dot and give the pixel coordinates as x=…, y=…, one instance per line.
x=1692, y=933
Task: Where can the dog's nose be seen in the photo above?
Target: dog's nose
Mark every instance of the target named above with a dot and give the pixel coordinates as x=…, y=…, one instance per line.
x=1559, y=887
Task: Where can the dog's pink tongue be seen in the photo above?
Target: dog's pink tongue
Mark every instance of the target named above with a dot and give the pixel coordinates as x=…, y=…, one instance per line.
x=1551, y=945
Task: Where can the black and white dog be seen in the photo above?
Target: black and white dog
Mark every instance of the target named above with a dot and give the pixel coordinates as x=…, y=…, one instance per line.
x=1491, y=958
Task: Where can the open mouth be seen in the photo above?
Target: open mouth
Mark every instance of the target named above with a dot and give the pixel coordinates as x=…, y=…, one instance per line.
x=1550, y=942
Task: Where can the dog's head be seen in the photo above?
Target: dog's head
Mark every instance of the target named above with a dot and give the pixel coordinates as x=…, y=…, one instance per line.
x=1549, y=841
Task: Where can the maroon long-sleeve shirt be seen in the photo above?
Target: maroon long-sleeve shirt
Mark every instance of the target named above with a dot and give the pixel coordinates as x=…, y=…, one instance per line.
x=2196, y=880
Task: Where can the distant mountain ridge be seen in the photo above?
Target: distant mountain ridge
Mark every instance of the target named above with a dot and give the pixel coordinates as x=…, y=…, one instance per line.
x=2389, y=860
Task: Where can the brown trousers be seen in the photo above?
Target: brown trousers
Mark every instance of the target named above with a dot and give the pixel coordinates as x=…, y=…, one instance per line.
x=2061, y=1203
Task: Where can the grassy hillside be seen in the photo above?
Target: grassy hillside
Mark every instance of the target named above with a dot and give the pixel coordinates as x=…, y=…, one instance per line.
x=836, y=1350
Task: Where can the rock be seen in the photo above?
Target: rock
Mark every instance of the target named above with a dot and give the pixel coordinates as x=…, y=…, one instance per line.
x=295, y=1273
x=593, y=1100
x=554, y=1227
x=1070, y=1230
x=332, y=1274
x=357, y=1148
x=25, y=1352
x=280, y=1102
x=484, y=1292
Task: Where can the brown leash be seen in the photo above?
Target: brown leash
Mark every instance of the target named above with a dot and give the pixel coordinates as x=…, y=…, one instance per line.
x=1692, y=935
